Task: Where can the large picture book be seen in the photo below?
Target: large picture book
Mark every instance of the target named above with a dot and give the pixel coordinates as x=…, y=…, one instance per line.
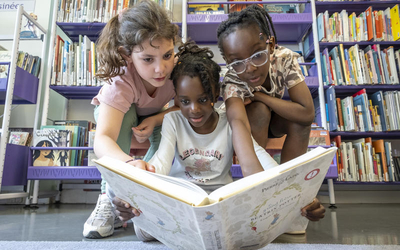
x=246, y=214
x=51, y=138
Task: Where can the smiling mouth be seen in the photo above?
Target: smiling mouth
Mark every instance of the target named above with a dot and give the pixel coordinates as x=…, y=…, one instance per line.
x=196, y=120
x=254, y=79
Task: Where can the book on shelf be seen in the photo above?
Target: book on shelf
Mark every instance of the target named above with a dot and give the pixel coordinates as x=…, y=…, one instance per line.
x=18, y=138
x=281, y=8
x=368, y=25
x=28, y=131
x=248, y=213
x=51, y=138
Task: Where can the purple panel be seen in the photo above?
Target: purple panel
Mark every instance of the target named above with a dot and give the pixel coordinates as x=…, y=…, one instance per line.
x=352, y=6
x=15, y=165
x=25, y=88
x=332, y=171
x=77, y=92
x=63, y=173
x=374, y=135
x=290, y=28
x=313, y=71
x=236, y=171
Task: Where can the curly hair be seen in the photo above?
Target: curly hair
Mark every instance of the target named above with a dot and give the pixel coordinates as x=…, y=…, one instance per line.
x=195, y=61
x=133, y=26
x=252, y=15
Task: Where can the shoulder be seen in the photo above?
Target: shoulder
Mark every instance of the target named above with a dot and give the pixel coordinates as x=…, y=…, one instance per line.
x=232, y=86
x=284, y=53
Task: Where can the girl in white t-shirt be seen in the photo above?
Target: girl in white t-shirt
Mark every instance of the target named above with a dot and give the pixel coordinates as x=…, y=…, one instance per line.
x=136, y=56
x=196, y=143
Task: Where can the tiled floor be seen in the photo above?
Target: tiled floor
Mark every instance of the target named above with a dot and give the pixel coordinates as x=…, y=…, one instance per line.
x=374, y=224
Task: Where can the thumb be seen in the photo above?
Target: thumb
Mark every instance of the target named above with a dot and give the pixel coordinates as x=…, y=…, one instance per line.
x=139, y=127
x=151, y=168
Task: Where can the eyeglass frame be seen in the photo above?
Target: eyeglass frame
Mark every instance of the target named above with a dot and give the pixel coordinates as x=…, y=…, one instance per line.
x=249, y=59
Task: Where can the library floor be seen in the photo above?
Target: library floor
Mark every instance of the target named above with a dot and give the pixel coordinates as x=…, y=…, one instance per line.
x=372, y=224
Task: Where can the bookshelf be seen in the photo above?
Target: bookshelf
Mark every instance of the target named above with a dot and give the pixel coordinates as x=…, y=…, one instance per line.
x=342, y=91
x=20, y=87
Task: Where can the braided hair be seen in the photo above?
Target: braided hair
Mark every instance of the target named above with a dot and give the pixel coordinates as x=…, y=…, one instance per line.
x=252, y=15
x=195, y=61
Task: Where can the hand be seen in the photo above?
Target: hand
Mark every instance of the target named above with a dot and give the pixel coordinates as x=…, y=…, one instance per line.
x=144, y=130
x=247, y=101
x=143, y=165
x=314, y=211
x=124, y=211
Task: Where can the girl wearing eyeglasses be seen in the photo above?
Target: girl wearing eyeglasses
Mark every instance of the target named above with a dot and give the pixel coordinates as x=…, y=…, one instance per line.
x=259, y=71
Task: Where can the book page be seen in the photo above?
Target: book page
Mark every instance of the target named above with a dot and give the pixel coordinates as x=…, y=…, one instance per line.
x=176, y=188
x=255, y=179
x=253, y=218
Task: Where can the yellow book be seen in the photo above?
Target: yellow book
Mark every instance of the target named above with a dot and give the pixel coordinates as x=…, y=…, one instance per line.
x=344, y=68
x=395, y=19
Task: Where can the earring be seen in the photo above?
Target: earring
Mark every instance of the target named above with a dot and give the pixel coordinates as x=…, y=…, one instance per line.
x=212, y=104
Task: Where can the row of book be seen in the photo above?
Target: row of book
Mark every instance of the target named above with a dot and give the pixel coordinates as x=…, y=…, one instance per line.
x=364, y=160
x=355, y=66
x=26, y=61
x=215, y=9
x=75, y=64
x=64, y=133
x=82, y=11
x=369, y=25
x=360, y=113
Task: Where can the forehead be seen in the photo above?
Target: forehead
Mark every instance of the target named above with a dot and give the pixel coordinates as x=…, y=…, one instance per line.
x=156, y=46
x=187, y=85
x=242, y=40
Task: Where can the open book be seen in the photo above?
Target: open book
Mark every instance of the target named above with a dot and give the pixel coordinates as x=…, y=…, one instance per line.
x=246, y=214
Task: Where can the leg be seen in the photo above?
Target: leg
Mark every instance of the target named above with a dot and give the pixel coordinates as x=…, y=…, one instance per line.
x=296, y=141
x=103, y=219
x=259, y=116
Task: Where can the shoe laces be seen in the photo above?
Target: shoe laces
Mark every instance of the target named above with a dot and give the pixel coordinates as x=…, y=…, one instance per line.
x=103, y=210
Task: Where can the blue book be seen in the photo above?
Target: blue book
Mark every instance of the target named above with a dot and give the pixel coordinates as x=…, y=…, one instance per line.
x=376, y=62
x=359, y=101
x=338, y=68
x=377, y=100
x=332, y=109
x=321, y=27
x=351, y=70
x=385, y=68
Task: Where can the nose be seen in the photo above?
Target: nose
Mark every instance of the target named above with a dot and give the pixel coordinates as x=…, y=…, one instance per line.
x=194, y=108
x=250, y=67
x=160, y=67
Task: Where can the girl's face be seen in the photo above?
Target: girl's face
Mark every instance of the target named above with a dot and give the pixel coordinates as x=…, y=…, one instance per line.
x=154, y=64
x=45, y=152
x=242, y=44
x=195, y=105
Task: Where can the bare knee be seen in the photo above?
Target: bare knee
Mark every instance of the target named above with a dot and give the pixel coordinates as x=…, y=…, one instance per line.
x=259, y=116
x=299, y=130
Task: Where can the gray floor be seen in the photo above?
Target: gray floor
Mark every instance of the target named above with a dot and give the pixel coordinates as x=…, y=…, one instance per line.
x=373, y=224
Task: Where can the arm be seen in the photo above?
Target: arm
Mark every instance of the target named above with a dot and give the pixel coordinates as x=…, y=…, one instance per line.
x=299, y=110
x=241, y=136
x=144, y=130
x=162, y=159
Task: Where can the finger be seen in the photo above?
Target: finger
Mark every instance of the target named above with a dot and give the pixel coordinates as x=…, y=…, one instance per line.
x=120, y=203
x=316, y=214
x=150, y=168
x=136, y=212
x=313, y=205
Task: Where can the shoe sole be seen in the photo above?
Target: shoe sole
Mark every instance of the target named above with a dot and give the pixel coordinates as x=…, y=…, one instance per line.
x=96, y=235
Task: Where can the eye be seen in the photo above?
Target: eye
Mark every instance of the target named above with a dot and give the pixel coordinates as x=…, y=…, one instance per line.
x=185, y=102
x=257, y=55
x=168, y=56
x=203, y=100
x=148, y=60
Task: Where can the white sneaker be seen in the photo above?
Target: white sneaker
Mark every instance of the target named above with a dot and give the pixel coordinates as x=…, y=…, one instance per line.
x=102, y=221
x=142, y=235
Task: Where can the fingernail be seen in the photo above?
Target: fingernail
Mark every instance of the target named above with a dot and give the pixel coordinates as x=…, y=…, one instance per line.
x=126, y=205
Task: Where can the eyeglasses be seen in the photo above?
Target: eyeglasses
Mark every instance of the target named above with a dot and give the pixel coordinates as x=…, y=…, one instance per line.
x=257, y=59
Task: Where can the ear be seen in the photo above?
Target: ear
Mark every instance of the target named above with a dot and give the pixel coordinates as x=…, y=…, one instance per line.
x=125, y=54
x=271, y=44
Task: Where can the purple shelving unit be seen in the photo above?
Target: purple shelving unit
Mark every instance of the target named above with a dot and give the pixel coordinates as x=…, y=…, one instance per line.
x=290, y=28
x=77, y=92
x=15, y=165
x=25, y=87
x=61, y=173
x=354, y=6
x=374, y=135
x=346, y=90
x=366, y=183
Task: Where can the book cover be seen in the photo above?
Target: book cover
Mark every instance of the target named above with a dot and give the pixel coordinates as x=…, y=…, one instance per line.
x=395, y=22
x=246, y=214
x=331, y=101
x=379, y=147
x=51, y=138
x=18, y=138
